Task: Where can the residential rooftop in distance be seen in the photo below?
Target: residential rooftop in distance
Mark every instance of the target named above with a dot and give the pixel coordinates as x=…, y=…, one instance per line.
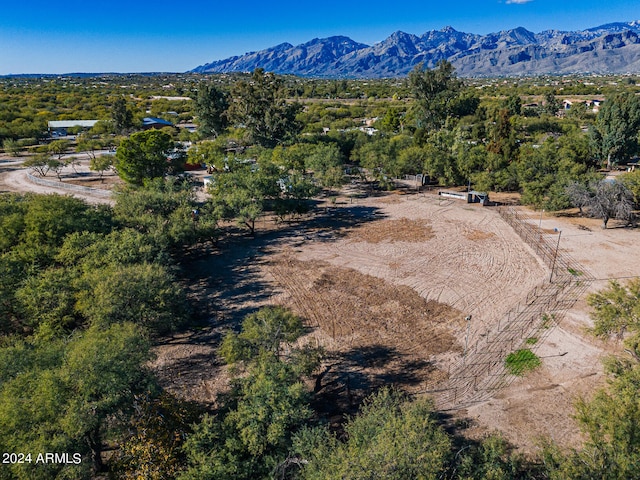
x=54, y=124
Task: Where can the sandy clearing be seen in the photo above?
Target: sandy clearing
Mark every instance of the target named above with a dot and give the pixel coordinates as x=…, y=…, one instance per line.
x=482, y=275
x=541, y=404
x=471, y=261
x=13, y=178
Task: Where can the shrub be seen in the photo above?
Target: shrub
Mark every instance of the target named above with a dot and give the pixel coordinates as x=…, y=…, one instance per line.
x=522, y=361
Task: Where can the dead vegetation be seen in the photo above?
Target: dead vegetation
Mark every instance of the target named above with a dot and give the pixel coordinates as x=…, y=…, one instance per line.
x=477, y=235
x=399, y=230
x=375, y=333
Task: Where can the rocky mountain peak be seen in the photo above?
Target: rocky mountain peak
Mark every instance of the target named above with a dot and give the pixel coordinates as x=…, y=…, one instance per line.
x=517, y=51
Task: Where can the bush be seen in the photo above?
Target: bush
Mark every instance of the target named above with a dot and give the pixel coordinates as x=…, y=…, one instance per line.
x=522, y=361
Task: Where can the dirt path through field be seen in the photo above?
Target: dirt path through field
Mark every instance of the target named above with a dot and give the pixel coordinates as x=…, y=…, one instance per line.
x=14, y=178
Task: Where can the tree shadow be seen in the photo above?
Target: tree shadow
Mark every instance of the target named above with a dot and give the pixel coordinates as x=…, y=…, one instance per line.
x=350, y=377
x=225, y=281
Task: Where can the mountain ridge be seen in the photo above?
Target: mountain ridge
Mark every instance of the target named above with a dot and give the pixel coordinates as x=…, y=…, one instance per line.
x=609, y=48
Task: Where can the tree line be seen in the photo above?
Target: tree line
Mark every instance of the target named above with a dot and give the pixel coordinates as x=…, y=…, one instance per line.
x=453, y=131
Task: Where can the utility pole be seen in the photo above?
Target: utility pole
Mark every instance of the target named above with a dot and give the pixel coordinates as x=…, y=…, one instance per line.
x=466, y=340
x=540, y=223
x=555, y=256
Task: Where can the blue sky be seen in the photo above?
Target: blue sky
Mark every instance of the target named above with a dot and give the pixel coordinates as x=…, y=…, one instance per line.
x=128, y=36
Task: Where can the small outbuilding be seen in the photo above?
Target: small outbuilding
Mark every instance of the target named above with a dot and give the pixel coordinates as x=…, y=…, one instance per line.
x=153, y=122
x=58, y=128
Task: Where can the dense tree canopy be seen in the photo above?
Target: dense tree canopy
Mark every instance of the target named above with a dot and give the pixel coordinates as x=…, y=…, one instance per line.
x=80, y=295
x=615, y=134
x=260, y=105
x=62, y=396
x=391, y=438
x=211, y=109
x=147, y=155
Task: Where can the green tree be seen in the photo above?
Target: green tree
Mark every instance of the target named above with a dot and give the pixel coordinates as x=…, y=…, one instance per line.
x=68, y=396
x=551, y=105
x=578, y=111
x=243, y=192
x=470, y=157
x=616, y=309
x=121, y=116
x=293, y=157
x=610, y=419
x=546, y=171
x=209, y=152
x=42, y=163
x=435, y=92
x=100, y=164
x=260, y=106
x=326, y=163
x=48, y=219
x=267, y=404
x=440, y=163
x=502, y=138
x=513, y=104
x=381, y=157
x=631, y=181
x=144, y=294
x=391, y=438
x=614, y=136
x=465, y=104
x=411, y=160
x=12, y=147
x=33, y=229
x=89, y=145
x=211, y=109
x=492, y=458
x=58, y=148
x=263, y=331
x=147, y=155
x=166, y=211
x=254, y=436
x=154, y=449
x=391, y=121
x=47, y=301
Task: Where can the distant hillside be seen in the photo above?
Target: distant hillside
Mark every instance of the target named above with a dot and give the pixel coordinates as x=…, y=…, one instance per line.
x=611, y=48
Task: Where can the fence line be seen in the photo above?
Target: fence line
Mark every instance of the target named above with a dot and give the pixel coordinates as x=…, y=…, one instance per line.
x=483, y=371
x=69, y=186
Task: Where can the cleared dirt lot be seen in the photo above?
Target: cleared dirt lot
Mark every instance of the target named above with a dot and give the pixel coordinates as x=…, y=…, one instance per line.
x=14, y=178
x=384, y=285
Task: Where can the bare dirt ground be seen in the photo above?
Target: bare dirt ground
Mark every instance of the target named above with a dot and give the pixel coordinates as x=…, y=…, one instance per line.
x=384, y=284
x=13, y=178
x=541, y=404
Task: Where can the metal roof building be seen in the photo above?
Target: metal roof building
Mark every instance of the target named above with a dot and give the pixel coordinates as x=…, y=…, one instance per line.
x=56, y=124
x=154, y=122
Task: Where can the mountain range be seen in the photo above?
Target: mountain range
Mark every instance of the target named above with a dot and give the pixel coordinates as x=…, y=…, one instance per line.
x=610, y=48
